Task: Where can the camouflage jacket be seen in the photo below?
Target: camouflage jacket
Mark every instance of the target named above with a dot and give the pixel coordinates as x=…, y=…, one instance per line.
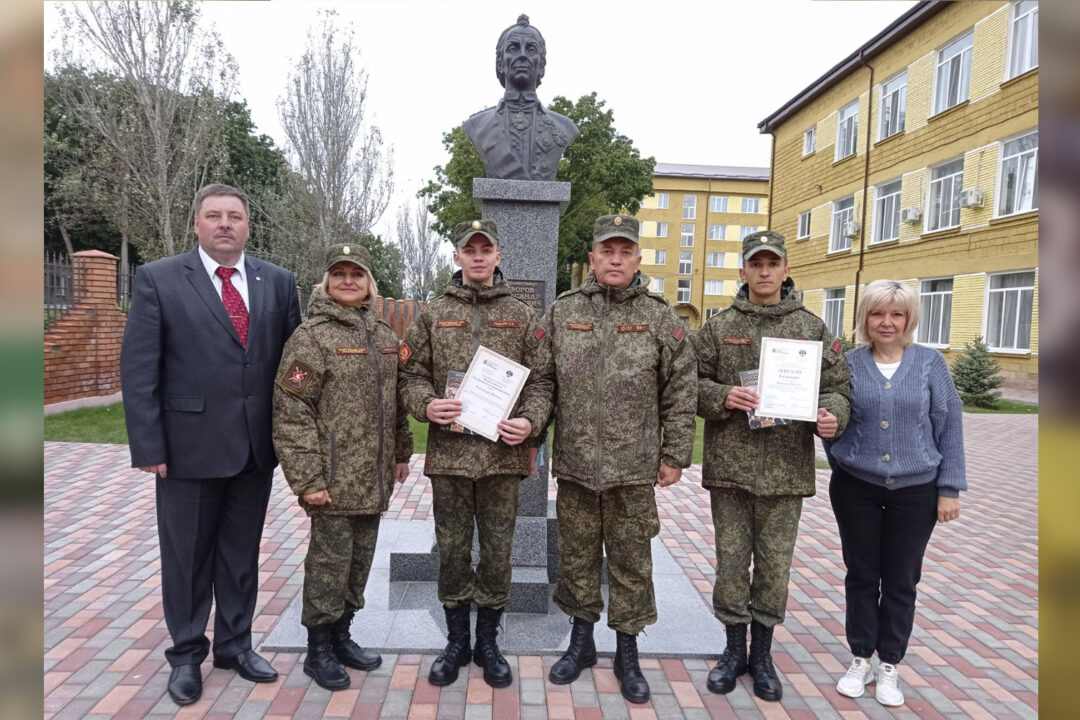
x=768, y=461
x=338, y=424
x=444, y=338
x=625, y=385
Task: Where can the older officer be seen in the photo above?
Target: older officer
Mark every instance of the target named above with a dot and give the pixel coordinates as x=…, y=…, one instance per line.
x=758, y=477
x=473, y=478
x=624, y=421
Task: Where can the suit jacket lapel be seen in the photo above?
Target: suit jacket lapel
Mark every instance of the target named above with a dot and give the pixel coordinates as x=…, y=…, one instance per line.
x=256, y=295
x=196, y=275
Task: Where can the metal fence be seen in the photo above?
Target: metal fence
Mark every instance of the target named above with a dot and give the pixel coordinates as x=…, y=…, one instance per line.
x=65, y=284
x=125, y=278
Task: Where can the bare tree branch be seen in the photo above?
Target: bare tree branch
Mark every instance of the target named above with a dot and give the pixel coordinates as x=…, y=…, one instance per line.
x=425, y=268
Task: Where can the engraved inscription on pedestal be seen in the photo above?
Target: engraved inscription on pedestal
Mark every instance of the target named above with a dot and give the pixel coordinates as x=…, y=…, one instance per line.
x=529, y=291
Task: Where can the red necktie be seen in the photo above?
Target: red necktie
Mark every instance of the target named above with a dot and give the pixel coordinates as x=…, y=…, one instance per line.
x=234, y=304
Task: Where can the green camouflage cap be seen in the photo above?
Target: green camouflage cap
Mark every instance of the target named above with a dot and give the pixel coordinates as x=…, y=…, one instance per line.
x=463, y=232
x=769, y=240
x=609, y=226
x=348, y=252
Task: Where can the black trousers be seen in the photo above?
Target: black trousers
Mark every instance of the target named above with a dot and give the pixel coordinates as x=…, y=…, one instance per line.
x=884, y=535
x=209, y=532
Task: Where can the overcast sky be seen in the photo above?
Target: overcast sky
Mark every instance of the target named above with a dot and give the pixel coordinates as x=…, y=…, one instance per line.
x=688, y=81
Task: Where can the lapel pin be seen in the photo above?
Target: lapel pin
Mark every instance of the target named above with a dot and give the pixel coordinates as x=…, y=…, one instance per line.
x=257, y=277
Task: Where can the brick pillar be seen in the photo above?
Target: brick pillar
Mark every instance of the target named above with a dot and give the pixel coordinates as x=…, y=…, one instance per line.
x=99, y=269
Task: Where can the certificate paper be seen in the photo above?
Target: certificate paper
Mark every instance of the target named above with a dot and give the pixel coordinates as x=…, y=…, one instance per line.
x=789, y=378
x=488, y=393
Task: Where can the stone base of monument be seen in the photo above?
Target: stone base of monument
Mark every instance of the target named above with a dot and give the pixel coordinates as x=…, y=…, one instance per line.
x=405, y=616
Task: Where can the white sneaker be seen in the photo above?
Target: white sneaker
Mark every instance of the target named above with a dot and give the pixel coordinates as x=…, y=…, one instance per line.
x=888, y=686
x=857, y=677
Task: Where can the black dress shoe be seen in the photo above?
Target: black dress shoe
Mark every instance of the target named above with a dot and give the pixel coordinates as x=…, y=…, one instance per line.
x=249, y=666
x=185, y=684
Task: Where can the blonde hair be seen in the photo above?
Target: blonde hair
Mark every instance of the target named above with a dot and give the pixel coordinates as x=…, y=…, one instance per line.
x=888, y=292
x=373, y=288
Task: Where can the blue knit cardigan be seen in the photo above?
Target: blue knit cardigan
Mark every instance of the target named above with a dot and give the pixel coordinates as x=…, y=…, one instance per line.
x=904, y=431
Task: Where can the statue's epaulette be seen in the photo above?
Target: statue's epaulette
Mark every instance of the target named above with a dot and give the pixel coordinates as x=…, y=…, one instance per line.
x=481, y=112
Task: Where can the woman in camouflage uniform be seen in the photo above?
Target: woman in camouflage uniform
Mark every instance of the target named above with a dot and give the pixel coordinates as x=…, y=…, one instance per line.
x=343, y=440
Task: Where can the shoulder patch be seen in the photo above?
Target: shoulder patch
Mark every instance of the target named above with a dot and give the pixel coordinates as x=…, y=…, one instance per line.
x=539, y=334
x=837, y=346
x=404, y=353
x=297, y=378
x=679, y=332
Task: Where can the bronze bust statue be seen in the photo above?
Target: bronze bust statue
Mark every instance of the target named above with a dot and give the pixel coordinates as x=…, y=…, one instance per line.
x=519, y=139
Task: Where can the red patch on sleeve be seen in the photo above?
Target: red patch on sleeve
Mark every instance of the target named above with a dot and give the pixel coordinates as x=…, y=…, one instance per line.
x=679, y=332
x=404, y=353
x=539, y=334
x=837, y=346
x=298, y=377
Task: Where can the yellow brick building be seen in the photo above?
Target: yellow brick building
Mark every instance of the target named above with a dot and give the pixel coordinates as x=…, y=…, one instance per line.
x=691, y=233
x=916, y=158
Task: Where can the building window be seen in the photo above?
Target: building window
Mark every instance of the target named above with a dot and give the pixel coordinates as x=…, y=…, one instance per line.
x=661, y=257
x=804, y=225
x=689, y=207
x=661, y=229
x=751, y=205
x=684, y=290
x=714, y=287
x=686, y=239
x=953, y=73
x=1008, y=311
x=843, y=213
x=709, y=312
x=944, y=205
x=935, y=307
x=718, y=203
x=1018, y=181
x=847, y=130
x=1024, y=42
x=662, y=201
x=834, y=311
x=893, y=106
x=887, y=212
x=657, y=284
x=745, y=230
x=717, y=232
x=740, y=258
x=686, y=263
x=714, y=260
x=809, y=140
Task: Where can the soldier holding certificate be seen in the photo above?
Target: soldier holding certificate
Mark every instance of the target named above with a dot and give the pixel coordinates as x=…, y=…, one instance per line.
x=757, y=472
x=473, y=478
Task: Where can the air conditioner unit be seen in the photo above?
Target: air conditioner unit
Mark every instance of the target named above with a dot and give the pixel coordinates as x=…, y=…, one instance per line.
x=911, y=215
x=971, y=197
x=851, y=228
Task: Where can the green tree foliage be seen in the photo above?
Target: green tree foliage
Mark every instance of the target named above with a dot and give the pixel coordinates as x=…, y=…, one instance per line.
x=606, y=172
x=386, y=265
x=977, y=375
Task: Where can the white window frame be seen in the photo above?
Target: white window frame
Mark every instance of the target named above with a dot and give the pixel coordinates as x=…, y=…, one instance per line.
x=953, y=57
x=804, y=226
x=886, y=212
x=935, y=305
x=656, y=284
x=1001, y=192
x=686, y=263
x=833, y=311
x=714, y=259
x=718, y=203
x=686, y=235
x=893, y=95
x=847, y=130
x=709, y=312
x=1019, y=292
x=1016, y=64
x=683, y=293
x=661, y=229
x=745, y=230
x=660, y=257
x=838, y=241
x=751, y=205
x=809, y=140
x=953, y=182
x=662, y=201
x=740, y=260
x=714, y=287
x=717, y=232
x=689, y=207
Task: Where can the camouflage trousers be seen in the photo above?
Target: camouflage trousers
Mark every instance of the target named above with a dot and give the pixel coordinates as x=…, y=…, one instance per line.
x=762, y=529
x=337, y=565
x=490, y=502
x=620, y=522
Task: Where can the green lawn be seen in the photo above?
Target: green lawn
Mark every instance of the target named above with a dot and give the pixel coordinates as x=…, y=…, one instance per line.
x=89, y=425
x=1006, y=407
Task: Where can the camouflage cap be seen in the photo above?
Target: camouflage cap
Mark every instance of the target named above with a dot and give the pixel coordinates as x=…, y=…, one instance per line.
x=348, y=252
x=769, y=240
x=463, y=232
x=609, y=226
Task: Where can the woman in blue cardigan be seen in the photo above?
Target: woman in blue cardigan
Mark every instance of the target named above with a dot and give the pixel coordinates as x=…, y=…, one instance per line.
x=897, y=469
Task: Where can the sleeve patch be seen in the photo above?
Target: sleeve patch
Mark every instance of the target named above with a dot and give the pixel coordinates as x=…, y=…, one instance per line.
x=297, y=378
x=451, y=323
x=539, y=334
x=736, y=341
x=634, y=328
x=388, y=349
x=404, y=353
x=352, y=351
x=503, y=324
x=679, y=332
x=837, y=346
x=584, y=326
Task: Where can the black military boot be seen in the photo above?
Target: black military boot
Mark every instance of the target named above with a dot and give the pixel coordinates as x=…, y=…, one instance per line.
x=732, y=662
x=766, y=682
x=457, y=652
x=486, y=651
x=580, y=654
x=346, y=651
x=632, y=682
x=320, y=662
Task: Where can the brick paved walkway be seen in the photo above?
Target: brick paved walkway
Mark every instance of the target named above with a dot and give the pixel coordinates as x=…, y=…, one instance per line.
x=973, y=653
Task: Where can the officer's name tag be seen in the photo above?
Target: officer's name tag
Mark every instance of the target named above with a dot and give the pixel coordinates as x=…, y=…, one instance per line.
x=636, y=328
x=451, y=323
x=579, y=326
x=353, y=351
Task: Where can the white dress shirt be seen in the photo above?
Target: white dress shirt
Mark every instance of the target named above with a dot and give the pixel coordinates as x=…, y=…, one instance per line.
x=238, y=278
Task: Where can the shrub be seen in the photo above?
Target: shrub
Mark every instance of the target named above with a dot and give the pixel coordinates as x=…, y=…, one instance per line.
x=977, y=375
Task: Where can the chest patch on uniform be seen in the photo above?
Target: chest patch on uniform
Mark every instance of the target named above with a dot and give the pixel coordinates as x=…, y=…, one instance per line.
x=638, y=327
x=352, y=351
x=736, y=341
x=297, y=377
x=539, y=334
x=388, y=349
x=836, y=346
x=579, y=326
x=404, y=353
x=503, y=324
x=451, y=323
x=679, y=332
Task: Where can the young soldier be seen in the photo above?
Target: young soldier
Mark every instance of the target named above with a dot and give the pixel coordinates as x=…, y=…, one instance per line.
x=624, y=422
x=472, y=477
x=758, y=478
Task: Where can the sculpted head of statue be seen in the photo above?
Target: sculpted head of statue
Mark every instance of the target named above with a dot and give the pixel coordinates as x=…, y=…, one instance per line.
x=520, y=56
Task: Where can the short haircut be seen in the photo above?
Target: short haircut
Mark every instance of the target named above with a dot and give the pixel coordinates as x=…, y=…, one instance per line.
x=373, y=288
x=888, y=292
x=522, y=23
x=215, y=189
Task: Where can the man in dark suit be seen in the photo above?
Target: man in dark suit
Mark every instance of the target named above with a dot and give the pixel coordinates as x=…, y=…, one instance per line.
x=202, y=344
x=519, y=139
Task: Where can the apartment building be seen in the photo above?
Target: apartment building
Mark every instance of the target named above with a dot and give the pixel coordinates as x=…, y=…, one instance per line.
x=691, y=233
x=916, y=158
